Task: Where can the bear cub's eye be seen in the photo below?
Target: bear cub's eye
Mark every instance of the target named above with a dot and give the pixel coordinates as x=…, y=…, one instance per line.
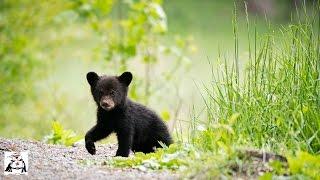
x=100, y=91
x=112, y=92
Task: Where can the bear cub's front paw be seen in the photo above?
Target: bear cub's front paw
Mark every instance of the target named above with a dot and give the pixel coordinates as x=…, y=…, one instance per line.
x=91, y=148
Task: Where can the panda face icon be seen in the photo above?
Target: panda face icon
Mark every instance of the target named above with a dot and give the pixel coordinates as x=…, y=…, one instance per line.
x=15, y=163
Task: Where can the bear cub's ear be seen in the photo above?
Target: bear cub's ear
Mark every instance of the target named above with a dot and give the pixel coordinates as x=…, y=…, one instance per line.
x=92, y=78
x=125, y=78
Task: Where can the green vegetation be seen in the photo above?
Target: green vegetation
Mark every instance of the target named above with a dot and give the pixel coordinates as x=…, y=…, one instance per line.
x=61, y=136
x=274, y=106
x=23, y=56
x=304, y=164
x=173, y=158
x=277, y=98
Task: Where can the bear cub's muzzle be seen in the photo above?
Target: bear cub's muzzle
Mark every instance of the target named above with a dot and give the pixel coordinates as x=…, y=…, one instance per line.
x=107, y=103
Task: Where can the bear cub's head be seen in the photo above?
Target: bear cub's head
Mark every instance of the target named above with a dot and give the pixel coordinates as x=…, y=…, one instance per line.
x=109, y=92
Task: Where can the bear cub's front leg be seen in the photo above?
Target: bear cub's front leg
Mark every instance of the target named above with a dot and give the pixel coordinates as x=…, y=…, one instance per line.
x=96, y=133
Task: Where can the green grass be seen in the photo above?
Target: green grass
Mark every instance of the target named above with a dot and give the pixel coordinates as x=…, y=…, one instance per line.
x=272, y=104
x=278, y=97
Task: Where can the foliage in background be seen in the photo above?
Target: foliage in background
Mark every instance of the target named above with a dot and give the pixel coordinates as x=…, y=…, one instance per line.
x=59, y=135
x=22, y=56
x=18, y=47
x=33, y=35
x=132, y=32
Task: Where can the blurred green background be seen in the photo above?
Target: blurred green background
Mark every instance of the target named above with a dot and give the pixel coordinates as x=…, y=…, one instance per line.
x=47, y=47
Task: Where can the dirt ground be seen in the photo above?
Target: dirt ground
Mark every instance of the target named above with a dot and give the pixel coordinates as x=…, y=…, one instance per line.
x=60, y=162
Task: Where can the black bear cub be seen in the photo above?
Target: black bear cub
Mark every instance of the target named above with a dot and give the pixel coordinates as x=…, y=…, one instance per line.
x=137, y=127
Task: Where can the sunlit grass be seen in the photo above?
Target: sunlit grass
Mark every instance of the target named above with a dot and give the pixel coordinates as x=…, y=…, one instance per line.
x=278, y=98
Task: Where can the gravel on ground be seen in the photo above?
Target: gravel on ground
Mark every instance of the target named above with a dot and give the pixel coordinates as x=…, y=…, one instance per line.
x=59, y=162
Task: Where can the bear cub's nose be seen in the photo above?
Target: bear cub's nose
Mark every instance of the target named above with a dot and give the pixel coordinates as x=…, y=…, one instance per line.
x=107, y=104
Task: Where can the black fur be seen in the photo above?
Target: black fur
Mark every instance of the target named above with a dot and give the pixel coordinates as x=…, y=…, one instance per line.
x=137, y=127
